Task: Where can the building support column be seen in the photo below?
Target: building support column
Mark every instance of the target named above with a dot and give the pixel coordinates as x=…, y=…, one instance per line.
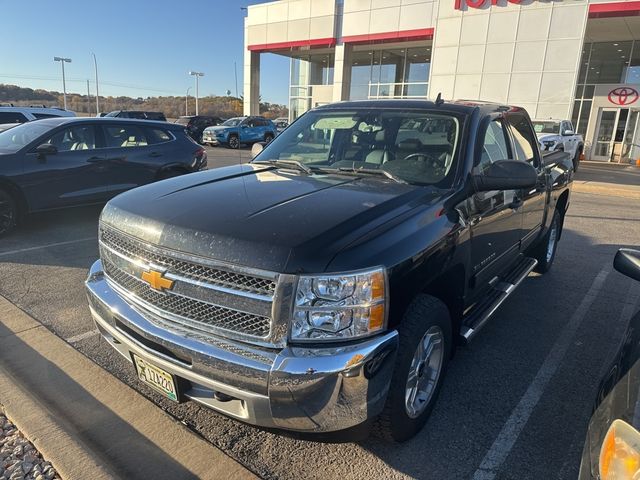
x=251, y=80
x=342, y=72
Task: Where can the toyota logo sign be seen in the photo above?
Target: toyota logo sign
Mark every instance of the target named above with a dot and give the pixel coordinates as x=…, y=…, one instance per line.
x=623, y=95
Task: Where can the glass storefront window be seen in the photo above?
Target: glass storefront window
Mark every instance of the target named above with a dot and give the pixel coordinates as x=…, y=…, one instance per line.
x=608, y=62
x=633, y=69
x=390, y=73
x=316, y=69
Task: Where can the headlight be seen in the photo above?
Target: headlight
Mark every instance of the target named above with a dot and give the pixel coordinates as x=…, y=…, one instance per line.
x=339, y=306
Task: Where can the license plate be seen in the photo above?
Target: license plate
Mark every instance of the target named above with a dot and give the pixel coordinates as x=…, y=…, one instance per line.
x=156, y=378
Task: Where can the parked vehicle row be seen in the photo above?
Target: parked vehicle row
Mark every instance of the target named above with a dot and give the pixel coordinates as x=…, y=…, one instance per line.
x=62, y=162
x=196, y=124
x=11, y=116
x=327, y=283
x=240, y=130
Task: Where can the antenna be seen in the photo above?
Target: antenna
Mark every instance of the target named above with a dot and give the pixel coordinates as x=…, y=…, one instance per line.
x=439, y=100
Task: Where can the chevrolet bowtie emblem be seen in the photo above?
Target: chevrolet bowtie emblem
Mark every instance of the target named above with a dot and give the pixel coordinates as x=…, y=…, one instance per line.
x=156, y=280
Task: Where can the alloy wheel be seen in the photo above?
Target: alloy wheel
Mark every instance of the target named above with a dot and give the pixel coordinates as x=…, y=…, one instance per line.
x=424, y=371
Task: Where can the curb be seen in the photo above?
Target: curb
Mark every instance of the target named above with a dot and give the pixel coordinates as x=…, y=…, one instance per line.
x=88, y=423
x=597, y=188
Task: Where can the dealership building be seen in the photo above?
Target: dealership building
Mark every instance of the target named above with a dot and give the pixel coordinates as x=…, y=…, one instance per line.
x=564, y=59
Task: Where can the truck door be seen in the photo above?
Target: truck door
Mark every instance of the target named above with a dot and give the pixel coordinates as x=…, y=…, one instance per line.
x=495, y=217
x=533, y=201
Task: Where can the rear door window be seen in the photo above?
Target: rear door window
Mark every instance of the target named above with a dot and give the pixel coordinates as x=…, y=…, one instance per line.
x=125, y=136
x=157, y=135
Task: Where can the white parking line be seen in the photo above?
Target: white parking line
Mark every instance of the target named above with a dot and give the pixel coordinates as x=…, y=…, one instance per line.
x=512, y=428
x=48, y=245
x=82, y=336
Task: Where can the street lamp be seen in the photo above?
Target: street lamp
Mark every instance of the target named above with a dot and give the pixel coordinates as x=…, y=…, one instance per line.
x=196, y=74
x=62, y=60
x=186, y=103
x=95, y=65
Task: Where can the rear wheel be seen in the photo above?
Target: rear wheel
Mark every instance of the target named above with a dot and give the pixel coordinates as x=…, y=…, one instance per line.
x=545, y=253
x=234, y=142
x=423, y=354
x=8, y=213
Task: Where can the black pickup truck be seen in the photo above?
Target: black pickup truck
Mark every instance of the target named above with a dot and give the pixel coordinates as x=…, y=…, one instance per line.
x=327, y=283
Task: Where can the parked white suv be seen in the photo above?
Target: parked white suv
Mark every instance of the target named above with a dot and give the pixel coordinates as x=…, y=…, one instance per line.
x=560, y=135
x=15, y=115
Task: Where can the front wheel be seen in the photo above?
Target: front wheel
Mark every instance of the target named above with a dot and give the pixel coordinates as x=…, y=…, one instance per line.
x=8, y=213
x=268, y=137
x=423, y=354
x=234, y=142
x=576, y=160
x=545, y=253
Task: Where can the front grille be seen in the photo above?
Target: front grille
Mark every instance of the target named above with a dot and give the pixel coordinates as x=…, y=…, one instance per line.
x=194, y=271
x=242, y=308
x=197, y=314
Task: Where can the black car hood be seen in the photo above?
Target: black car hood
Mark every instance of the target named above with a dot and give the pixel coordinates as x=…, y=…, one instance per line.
x=257, y=216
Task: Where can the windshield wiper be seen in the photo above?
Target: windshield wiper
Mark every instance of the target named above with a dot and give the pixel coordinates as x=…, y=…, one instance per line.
x=373, y=171
x=288, y=163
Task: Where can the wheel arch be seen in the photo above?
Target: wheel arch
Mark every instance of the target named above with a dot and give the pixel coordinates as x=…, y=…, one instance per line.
x=17, y=193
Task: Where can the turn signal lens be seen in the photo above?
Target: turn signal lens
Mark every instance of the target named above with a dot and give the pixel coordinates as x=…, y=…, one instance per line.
x=620, y=453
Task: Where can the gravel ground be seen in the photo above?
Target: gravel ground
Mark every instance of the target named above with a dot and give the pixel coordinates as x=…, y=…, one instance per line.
x=19, y=459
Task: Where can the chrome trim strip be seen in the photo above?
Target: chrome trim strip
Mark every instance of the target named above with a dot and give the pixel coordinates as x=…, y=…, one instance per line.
x=182, y=279
x=184, y=321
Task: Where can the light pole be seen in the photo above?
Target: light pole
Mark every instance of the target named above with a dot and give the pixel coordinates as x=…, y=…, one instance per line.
x=186, y=103
x=95, y=65
x=196, y=74
x=62, y=60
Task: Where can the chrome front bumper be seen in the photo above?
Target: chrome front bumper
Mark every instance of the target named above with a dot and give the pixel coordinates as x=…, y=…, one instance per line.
x=302, y=389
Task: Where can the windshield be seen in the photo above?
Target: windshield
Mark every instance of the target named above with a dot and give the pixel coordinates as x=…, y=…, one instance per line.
x=546, y=127
x=112, y=114
x=15, y=138
x=183, y=120
x=418, y=147
x=233, y=122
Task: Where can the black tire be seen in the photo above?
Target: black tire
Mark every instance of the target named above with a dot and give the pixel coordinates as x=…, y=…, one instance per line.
x=234, y=142
x=545, y=251
x=268, y=137
x=8, y=213
x=576, y=160
x=424, y=314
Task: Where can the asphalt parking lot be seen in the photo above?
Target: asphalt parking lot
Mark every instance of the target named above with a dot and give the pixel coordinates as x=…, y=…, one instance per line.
x=515, y=404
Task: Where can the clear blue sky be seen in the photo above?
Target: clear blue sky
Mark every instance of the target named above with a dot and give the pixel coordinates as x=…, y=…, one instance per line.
x=144, y=48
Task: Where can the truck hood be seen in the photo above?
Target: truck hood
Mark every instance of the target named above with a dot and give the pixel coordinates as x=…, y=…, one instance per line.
x=218, y=128
x=546, y=136
x=261, y=217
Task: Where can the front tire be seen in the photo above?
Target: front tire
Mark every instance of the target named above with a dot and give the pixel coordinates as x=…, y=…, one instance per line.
x=576, y=160
x=268, y=138
x=423, y=354
x=234, y=142
x=8, y=213
x=545, y=253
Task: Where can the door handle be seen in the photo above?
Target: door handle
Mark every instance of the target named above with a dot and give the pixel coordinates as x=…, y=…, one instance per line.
x=94, y=159
x=155, y=154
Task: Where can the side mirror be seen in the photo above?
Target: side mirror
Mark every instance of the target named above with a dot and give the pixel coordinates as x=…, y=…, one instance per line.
x=627, y=262
x=257, y=148
x=567, y=133
x=506, y=175
x=46, y=149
